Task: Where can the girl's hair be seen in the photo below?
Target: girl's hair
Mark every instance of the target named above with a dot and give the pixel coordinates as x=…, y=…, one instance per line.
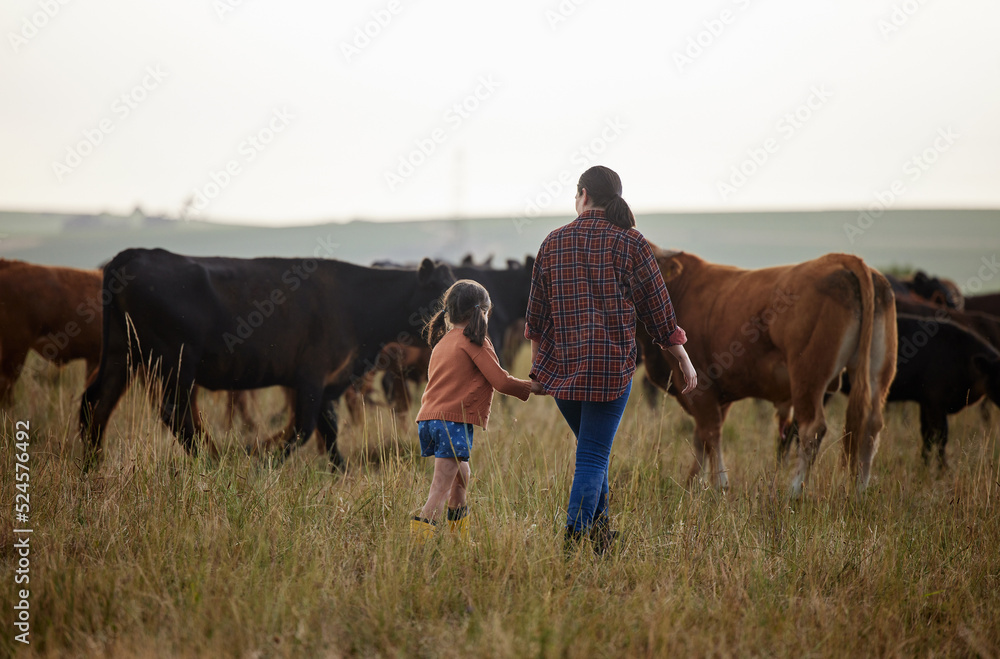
x=604, y=187
x=464, y=301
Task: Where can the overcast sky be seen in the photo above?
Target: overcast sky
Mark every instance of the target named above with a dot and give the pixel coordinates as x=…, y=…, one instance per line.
x=301, y=111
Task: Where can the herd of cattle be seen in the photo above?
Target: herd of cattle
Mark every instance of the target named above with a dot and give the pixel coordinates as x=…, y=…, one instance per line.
x=791, y=335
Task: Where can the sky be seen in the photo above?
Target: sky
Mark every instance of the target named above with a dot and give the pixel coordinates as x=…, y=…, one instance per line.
x=301, y=111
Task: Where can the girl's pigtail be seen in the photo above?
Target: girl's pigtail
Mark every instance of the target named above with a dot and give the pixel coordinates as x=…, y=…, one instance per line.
x=435, y=329
x=475, y=331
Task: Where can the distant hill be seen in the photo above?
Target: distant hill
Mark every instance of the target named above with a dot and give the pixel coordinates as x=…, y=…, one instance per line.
x=949, y=243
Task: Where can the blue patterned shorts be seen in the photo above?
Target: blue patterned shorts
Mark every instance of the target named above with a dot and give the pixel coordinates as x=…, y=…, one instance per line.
x=445, y=439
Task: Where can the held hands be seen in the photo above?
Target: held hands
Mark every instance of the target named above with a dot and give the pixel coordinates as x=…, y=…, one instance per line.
x=537, y=388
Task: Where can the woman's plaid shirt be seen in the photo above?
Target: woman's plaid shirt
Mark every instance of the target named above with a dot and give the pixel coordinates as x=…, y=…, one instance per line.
x=590, y=281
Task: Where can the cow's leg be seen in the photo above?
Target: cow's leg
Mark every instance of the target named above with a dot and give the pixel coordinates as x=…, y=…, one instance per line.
x=177, y=410
x=788, y=430
x=708, y=444
x=651, y=392
x=230, y=409
x=811, y=421
x=327, y=426
x=933, y=430
x=305, y=413
x=357, y=395
x=97, y=404
x=11, y=363
x=91, y=371
x=882, y=370
x=397, y=392
x=868, y=444
x=238, y=402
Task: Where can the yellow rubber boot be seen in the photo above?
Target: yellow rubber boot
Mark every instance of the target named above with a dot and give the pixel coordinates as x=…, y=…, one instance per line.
x=458, y=522
x=422, y=530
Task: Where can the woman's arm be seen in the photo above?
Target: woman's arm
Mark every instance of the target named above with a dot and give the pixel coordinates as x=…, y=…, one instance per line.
x=687, y=369
x=652, y=301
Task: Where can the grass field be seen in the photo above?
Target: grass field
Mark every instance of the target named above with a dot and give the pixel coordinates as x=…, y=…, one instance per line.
x=155, y=554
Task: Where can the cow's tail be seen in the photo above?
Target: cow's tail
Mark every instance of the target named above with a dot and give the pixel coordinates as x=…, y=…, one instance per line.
x=859, y=404
x=112, y=373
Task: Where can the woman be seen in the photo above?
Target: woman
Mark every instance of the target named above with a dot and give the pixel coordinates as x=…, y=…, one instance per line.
x=591, y=279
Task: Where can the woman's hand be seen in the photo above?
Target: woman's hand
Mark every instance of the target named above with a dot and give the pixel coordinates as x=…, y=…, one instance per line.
x=687, y=369
x=537, y=388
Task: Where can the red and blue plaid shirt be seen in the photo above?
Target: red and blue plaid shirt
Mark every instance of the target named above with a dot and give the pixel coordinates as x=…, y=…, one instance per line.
x=590, y=281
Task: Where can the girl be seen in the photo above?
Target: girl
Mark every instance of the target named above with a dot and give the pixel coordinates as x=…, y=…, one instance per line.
x=463, y=372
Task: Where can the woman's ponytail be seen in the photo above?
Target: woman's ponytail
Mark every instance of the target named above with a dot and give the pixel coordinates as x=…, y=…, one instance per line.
x=604, y=187
x=618, y=213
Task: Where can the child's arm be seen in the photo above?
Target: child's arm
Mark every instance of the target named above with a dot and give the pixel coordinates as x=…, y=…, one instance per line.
x=486, y=361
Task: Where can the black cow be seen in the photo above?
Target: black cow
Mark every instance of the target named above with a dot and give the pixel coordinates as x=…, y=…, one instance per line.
x=943, y=367
x=509, y=289
x=923, y=287
x=985, y=325
x=310, y=325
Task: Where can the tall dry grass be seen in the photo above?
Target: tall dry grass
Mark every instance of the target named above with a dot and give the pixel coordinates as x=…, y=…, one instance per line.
x=156, y=554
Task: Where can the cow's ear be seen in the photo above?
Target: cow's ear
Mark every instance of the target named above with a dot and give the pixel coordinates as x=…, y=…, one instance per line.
x=426, y=271
x=529, y=263
x=671, y=269
x=921, y=278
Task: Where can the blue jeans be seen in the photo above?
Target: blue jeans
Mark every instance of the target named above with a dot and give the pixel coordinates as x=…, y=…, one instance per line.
x=594, y=425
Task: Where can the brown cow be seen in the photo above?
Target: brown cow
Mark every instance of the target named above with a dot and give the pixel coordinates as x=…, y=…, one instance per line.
x=782, y=334
x=399, y=364
x=57, y=313
x=54, y=311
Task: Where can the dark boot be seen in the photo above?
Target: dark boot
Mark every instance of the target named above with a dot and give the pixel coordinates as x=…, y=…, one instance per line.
x=601, y=535
x=572, y=539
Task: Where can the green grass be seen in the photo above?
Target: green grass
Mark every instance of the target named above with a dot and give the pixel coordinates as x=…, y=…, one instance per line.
x=156, y=554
